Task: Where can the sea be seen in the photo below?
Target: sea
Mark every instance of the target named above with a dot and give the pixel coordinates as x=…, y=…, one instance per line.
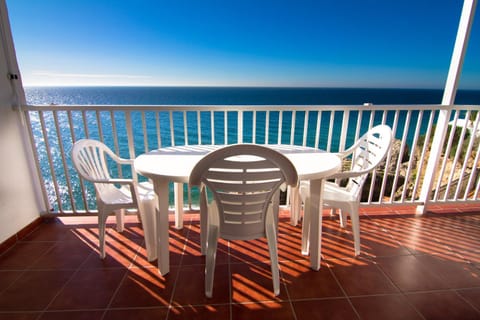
x=171, y=96
x=239, y=96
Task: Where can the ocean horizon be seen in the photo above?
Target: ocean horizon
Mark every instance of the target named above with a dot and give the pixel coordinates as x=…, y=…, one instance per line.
x=124, y=95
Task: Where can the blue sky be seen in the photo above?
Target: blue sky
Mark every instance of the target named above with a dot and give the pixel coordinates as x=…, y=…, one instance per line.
x=321, y=43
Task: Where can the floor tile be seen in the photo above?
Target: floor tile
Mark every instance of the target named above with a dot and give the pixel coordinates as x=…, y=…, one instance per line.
x=391, y=307
x=253, y=282
x=454, y=272
x=145, y=287
x=20, y=316
x=7, y=278
x=190, y=286
x=363, y=278
x=23, y=255
x=34, y=290
x=472, y=296
x=263, y=310
x=249, y=251
x=52, y=230
x=324, y=309
x=304, y=283
x=409, y=274
x=72, y=315
x=88, y=289
x=63, y=255
x=207, y=312
x=136, y=314
x=443, y=305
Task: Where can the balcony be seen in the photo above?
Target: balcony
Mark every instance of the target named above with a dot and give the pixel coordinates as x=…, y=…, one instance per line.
x=411, y=267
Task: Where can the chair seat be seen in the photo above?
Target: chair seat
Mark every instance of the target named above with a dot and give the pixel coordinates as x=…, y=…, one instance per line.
x=116, y=196
x=333, y=193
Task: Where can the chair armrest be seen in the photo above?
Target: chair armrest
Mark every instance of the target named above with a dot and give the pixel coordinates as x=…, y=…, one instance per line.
x=348, y=174
x=113, y=181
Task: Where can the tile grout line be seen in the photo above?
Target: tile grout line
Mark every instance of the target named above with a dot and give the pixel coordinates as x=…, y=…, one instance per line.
x=180, y=265
x=66, y=283
x=230, y=283
x=107, y=308
x=344, y=292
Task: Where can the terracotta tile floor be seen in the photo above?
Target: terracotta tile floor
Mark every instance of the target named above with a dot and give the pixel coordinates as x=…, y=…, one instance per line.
x=410, y=268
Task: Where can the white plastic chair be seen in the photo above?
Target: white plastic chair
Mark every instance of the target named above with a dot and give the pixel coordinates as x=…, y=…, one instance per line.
x=244, y=179
x=366, y=154
x=113, y=194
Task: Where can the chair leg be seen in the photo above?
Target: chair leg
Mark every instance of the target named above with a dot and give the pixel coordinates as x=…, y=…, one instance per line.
x=343, y=218
x=295, y=205
x=102, y=223
x=203, y=221
x=120, y=215
x=272, y=247
x=356, y=229
x=210, y=260
x=306, y=227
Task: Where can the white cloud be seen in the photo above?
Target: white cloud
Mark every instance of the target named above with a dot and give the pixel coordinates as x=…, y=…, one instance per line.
x=88, y=75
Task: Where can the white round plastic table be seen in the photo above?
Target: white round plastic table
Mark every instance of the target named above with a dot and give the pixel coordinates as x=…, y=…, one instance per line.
x=174, y=164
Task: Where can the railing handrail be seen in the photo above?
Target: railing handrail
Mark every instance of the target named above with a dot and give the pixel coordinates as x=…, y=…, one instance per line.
x=240, y=107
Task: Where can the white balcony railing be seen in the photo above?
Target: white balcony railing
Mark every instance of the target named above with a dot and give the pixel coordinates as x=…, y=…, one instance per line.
x=133, y=130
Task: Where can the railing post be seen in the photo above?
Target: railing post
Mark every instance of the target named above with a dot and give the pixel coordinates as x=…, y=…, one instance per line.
x=130, y=140
x=459, y=51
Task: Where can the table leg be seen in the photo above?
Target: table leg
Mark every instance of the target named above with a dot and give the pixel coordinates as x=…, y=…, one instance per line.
x=163, y=254
x=316, y=208
x=178, y=191
x=295, y=204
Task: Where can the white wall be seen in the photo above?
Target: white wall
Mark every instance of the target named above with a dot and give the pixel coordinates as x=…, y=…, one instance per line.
x=19, y=197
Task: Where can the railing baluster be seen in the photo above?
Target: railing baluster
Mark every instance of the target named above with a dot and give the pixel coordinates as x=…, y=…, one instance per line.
x=292, y=128
x=467, y=154
x=212, y=126
x=64, y=161
x=85, y=124
x=158, y=129
x=145, y=133
x=422, y=156
x=267, y=127
x=50, y=160
x=473, y=174
x=37, y=160
x=280, y=126
x=130, y=138
x=343, y=133
x=445, y=159
x=412, y=154
x=318, y=129
x=254, y=126
x=305, y=128
x=172, y=128
x=330, y=131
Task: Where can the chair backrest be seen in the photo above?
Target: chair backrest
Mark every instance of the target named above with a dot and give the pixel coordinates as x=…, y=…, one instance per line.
x=369, y=151
x=243, y=178
x=90, y=160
